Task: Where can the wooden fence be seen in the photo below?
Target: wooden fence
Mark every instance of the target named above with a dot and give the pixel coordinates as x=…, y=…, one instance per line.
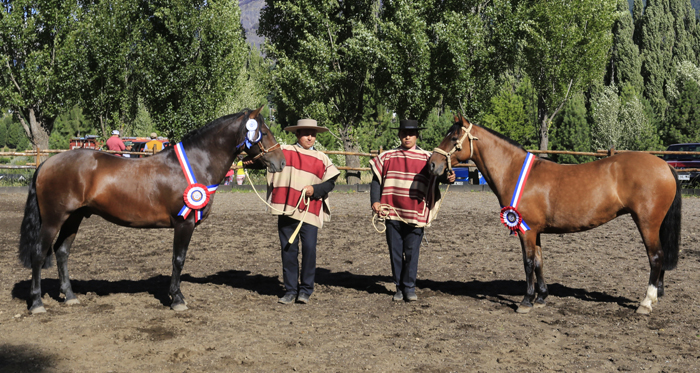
x=598, y=153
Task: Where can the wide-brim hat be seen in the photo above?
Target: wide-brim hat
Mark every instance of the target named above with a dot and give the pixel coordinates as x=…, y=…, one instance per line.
x=306, y=124
x=408, y=124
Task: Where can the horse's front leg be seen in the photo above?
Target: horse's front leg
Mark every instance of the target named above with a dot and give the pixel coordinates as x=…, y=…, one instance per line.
x=528, y=243
x=183, y=234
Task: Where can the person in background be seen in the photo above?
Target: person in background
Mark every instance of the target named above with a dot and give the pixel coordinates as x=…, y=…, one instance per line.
x=310, y=173
x=240, y=172
x=128, y=145
x=115, y=143
x=153, y=143
x=407, y=195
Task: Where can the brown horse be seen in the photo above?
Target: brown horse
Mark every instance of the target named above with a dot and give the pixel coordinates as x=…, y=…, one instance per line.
x=572, y=198
x=132, y=192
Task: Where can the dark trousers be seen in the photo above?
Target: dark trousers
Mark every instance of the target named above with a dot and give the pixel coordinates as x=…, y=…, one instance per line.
x=290, y=255
x=404, y=246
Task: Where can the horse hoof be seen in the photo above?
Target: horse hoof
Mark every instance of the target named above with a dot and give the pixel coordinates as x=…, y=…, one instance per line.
x=523, y=309
x=71, y=302
x=36, y=310
x=643, y=310
x=178, y=307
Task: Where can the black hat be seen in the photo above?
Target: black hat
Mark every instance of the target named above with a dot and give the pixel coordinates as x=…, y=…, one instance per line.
x=408, y=124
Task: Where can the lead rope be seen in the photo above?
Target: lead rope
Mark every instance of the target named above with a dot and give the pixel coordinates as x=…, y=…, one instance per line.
x=385, y=210
x=303, y=198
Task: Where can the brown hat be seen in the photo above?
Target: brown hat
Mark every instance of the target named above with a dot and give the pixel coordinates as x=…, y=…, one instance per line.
x=153, y=135
x=306, y=124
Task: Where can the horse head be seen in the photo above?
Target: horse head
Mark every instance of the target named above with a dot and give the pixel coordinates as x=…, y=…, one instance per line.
x=451, y=150
x=266, y=153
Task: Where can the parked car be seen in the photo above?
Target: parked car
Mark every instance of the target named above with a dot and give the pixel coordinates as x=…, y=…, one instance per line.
x=683, y=161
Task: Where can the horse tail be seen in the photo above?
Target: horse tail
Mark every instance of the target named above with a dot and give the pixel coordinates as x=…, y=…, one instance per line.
x=30, y=232
x=670, y=232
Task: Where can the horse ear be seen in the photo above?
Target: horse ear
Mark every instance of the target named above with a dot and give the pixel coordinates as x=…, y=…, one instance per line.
x=456, y=118
x=255, y=113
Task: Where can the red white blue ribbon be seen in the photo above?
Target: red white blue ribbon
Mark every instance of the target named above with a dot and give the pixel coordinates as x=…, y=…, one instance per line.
x=510, y=216
x=196, y=195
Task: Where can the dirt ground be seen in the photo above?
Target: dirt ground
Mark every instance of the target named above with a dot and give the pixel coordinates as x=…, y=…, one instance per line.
x=470, y=281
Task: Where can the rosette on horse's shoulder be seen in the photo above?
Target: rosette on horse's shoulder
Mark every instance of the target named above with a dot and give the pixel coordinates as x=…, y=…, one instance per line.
x=196, y=196
x=511, y=218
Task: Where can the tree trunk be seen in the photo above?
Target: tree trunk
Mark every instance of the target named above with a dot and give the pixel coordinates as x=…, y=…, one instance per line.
x=36, y=131
x=352, y=177
x=544, y=135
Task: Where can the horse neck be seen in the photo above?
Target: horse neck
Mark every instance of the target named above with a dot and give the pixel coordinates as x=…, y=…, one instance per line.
x=499, y=162
x=212, y=154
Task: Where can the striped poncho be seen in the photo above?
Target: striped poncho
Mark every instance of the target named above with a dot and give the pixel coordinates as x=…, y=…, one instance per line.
x=304, y=167
x=407, y=185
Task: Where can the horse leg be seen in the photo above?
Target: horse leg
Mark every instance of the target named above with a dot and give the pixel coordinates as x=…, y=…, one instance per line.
x=528, y=245
x=62, y=249
x=542, y=291
x=183, y=234
x=655, y=253
x=46, y=235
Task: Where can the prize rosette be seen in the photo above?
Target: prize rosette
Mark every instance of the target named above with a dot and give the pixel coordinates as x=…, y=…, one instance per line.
x=196, y=196
x=510, y=217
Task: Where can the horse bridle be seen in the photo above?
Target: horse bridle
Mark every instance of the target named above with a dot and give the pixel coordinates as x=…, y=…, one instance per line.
x=264, y=151
x=458, y=146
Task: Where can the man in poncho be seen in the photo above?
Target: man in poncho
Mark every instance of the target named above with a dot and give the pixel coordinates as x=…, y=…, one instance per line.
x=405, y=193
x=311, y=173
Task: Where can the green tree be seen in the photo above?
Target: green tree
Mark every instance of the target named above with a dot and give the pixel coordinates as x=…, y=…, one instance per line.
x=251, y=90
x=325, y=56
x=37, y=62
x=15, y=135
x=437, y=125
x=3, y=129
x=508, y=116
x=565, y=49
x=471, y=43
x=189, y=58
x=110, y=36
x=683, y=123
x=572, y=132
x=625, y=64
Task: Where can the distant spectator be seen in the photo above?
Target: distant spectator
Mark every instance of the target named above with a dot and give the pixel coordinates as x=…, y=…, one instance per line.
x=128, y=145
x=115, y=143
x=228, y=177
x=240, y=172
x=153, y=143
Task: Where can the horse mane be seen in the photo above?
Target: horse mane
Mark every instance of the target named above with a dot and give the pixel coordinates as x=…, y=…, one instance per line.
x=197, y=134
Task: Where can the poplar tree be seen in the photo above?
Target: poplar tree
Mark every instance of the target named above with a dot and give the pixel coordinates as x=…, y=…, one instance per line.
x=625, y=62
x=572, y=132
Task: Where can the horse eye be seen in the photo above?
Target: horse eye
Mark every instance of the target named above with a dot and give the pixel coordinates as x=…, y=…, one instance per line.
x=263, y=133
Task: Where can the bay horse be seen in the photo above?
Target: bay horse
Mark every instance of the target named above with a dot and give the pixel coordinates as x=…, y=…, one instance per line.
x=558, y=198
x=133, y=192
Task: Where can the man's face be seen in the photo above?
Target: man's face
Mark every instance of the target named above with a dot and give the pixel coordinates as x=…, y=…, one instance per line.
x=306, y=137
x=408, y=138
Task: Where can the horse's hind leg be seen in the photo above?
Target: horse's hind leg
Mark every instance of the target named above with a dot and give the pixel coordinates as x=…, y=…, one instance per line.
x=62, y=249
x=656, y=257
x=46, y=237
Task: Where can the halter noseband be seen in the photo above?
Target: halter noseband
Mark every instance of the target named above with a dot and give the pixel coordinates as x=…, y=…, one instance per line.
x=458, y=146
x=264, y=151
